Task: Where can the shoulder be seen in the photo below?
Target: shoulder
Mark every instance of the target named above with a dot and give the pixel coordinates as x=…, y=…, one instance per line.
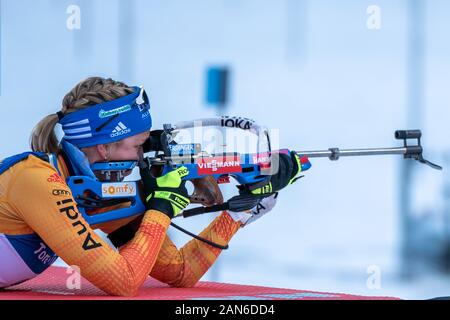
x=34, y=164
x=36, y=172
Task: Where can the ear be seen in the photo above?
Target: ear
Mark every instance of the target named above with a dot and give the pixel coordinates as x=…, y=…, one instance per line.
x=102, y=151
x=95, y=153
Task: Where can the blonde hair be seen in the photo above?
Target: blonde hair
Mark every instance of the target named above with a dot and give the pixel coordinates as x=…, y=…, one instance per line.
x=88, y=92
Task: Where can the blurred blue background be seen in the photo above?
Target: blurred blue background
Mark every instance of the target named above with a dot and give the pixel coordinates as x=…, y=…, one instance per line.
x=325, y=73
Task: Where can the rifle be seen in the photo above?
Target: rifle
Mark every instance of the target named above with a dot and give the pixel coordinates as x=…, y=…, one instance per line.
x=251, y=167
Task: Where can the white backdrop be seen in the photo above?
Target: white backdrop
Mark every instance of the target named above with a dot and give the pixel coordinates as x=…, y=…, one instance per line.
x=312, y=69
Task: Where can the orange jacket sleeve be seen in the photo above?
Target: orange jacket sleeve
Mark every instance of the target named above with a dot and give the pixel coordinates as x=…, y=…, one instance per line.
x=184, y=267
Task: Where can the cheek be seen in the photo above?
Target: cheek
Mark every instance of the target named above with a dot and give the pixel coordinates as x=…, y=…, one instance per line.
x=126, y=153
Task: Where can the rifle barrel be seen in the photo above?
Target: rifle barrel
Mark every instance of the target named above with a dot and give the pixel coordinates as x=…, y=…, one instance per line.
x=335, y=153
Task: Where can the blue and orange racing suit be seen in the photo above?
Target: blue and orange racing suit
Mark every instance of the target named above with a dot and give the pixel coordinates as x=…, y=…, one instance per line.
x=39, y=221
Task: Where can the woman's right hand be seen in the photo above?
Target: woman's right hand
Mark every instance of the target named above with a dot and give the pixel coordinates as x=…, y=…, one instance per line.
x=167, y=193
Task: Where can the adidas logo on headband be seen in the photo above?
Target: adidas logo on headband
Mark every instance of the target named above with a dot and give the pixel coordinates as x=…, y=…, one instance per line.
x=119, y=130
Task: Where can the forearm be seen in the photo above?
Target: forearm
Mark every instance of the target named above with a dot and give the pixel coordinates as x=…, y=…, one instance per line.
x=185, y=267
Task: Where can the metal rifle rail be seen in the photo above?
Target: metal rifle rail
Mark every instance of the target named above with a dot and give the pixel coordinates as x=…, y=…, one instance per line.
x=408, y=151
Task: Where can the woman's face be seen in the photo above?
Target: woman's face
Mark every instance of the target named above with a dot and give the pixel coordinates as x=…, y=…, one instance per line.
x=125, y=150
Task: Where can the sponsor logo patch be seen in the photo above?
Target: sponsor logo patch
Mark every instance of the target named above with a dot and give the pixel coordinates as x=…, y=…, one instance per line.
x=145, y=110
x=105, y=114
x=56, y=178
x=217, y=165
x=263, y=160
x=183, y=149
x=60, y=192
x=119, y=130
x=67, y=207
x=237, y=122
x=119, y=189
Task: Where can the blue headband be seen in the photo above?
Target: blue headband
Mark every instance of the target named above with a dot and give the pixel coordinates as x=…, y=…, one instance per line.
x=108, y=122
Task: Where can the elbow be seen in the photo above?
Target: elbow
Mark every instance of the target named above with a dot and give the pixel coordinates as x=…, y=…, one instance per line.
x=133, y=292
x=185, y=283
x=125, y=292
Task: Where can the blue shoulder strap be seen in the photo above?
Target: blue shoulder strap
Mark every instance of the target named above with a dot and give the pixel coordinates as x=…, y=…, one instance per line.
x=7, y=163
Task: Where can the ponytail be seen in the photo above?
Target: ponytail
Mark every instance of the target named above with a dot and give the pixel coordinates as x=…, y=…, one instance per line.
x=43, y=137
